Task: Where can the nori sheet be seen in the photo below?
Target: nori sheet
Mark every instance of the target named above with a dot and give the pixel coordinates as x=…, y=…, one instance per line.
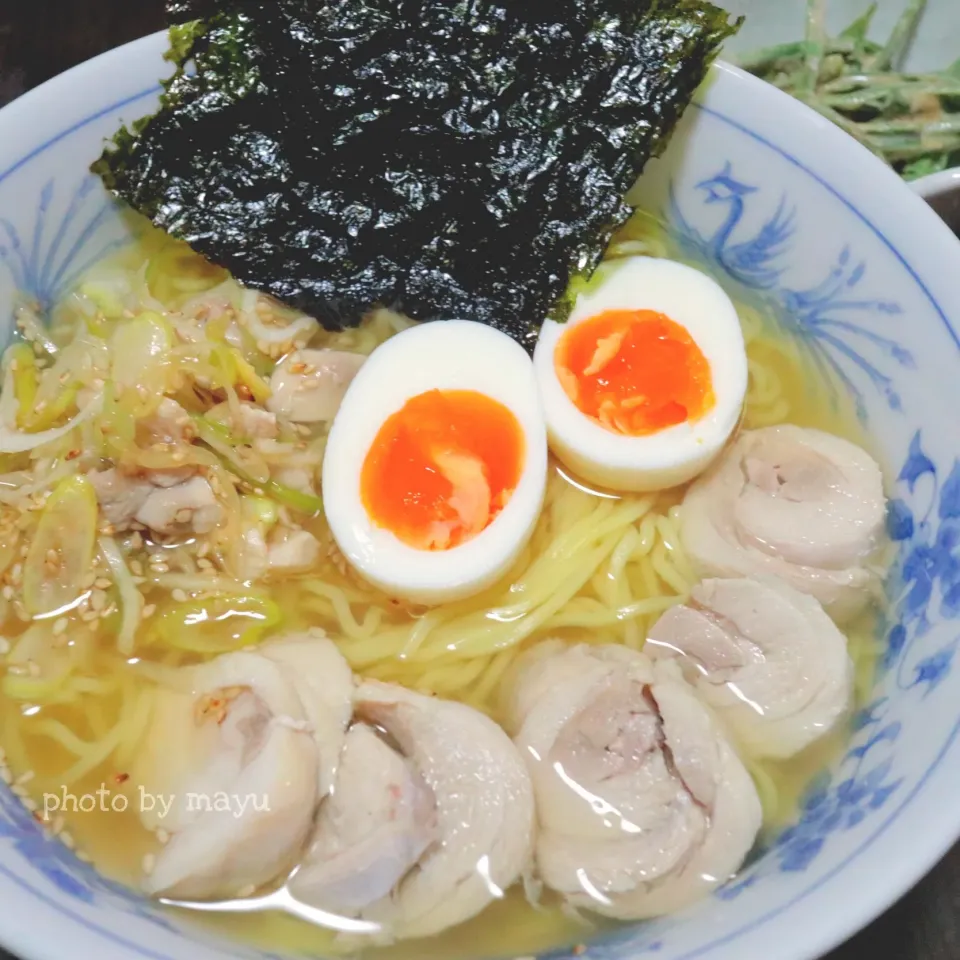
x=450, y=158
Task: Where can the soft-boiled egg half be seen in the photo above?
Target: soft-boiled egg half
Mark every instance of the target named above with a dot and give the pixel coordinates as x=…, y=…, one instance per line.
x=436, y=465
x=645, y=382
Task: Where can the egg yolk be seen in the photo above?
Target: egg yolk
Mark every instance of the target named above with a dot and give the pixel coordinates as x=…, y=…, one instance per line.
x=634, y=371
x=442, y=467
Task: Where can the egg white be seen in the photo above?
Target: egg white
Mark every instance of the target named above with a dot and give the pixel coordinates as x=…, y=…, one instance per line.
x=443, y=355
x=675, y=454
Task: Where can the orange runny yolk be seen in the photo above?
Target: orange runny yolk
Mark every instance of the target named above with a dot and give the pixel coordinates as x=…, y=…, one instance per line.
x=442, y=467
x=634, y=371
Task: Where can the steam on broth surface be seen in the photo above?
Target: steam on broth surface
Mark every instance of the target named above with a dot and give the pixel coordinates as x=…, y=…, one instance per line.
x=255, y=558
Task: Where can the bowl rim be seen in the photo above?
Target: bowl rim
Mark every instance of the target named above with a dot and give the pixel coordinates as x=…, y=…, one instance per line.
x=864, y=902
x=936, y=184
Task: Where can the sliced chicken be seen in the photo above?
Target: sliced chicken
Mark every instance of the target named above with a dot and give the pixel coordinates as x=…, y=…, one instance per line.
x=765, y=657
x=169, y=477
x=794, y=503
x=371, y=832
x=308, y=385
x=120, y=496
x=254, y=559
x=292, y=551
x=643, y=805
x=243, y=776
x=297, y=478
x=423, y=832
x=191, y=504
x=170, y=423
x=246, y=420
x=164, y=501
x=324, y=683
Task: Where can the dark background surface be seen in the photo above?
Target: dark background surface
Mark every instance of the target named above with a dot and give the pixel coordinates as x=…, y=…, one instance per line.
x=41, y=38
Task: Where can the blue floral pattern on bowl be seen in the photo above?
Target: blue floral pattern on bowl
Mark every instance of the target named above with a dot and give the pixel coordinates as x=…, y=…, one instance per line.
x=47, y=264
x=818, y=317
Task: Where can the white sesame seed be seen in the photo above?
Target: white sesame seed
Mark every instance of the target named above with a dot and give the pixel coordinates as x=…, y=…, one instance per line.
x=149, y=862
x=6, y=776
x=60, y=626
x=246, y=891
x=4, y=646
x=57, y=826
x=84, y=856
x=66, y=838
x=25, y=777
x=19, y=791
x=179, y=595
x=102, y=583
x=148, y=611
x=8, y=592
x=29, y=804
x=162, y=835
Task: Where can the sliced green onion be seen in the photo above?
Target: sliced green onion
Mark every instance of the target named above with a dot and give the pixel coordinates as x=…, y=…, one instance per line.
x=217, y=624
x=244, y=461
x=61, y=553
x=139, y=346
x=131, y=600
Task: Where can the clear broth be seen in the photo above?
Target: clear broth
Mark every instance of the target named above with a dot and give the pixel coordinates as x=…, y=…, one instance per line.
x=118, y=843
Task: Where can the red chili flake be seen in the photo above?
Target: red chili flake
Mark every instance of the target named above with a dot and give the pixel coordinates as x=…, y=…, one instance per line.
x=121, y=777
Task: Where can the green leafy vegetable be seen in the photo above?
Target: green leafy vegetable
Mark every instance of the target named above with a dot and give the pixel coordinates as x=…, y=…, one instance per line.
x=912, y=121
x=453, y=158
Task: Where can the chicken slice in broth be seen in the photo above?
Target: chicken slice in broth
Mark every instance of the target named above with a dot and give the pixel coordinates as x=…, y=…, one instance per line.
x=255, y=746
x=765, y=657
x=795, y=503
x=643, y=805
x=324, y=683
x=372, y=830
x=422, y=833
x=309, y=385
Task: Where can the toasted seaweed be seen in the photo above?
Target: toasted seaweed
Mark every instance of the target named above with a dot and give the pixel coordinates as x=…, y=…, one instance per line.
x=450, y=158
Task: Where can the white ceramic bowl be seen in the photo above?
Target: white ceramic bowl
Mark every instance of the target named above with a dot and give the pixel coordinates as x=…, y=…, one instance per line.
x=942, y=192
x=779, y=205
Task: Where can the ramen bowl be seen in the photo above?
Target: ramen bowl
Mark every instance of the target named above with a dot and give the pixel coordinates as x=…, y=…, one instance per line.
x=942, y=191
x=776, y=203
